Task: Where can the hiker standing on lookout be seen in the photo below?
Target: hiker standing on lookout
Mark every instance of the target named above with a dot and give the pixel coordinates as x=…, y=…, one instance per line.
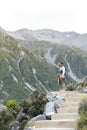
x=61, y=75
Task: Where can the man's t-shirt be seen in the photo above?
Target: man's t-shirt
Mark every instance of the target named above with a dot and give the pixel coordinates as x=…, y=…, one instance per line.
x=62, y=70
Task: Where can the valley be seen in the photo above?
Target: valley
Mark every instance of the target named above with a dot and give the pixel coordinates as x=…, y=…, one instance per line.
x=29, y=61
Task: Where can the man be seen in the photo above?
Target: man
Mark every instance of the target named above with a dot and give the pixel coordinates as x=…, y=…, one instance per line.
x=61, y=75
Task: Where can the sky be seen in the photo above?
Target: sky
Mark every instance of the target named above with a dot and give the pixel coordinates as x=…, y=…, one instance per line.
x=61, y=15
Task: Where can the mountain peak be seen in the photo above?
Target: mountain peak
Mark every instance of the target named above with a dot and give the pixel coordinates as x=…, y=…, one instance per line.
x=23, y=30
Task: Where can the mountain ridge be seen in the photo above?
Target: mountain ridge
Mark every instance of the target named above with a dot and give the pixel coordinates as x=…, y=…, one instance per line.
x=68, y=38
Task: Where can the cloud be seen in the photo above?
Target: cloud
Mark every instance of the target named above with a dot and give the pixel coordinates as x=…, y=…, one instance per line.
x=62, y=15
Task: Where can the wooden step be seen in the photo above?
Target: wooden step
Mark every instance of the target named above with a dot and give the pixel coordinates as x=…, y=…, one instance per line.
x=53, y=129
x=72, y=93
x=73, y=99
x=62, y=123
x=70, y=104
x=64, y=116
x=67, y=110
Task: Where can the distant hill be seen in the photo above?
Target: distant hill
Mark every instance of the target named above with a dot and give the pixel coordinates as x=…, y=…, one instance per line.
x=66, y=38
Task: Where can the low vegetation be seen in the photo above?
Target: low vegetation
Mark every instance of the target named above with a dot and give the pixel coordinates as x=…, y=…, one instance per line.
x=32, y=106
x=70, y=87
x=82, y=122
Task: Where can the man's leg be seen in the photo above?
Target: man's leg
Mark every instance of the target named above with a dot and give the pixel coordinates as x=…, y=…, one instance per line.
x=63, y=82
x=59, y=80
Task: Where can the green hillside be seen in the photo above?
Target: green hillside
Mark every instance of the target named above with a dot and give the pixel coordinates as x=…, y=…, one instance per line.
x=26, y=66
x=17, y=80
